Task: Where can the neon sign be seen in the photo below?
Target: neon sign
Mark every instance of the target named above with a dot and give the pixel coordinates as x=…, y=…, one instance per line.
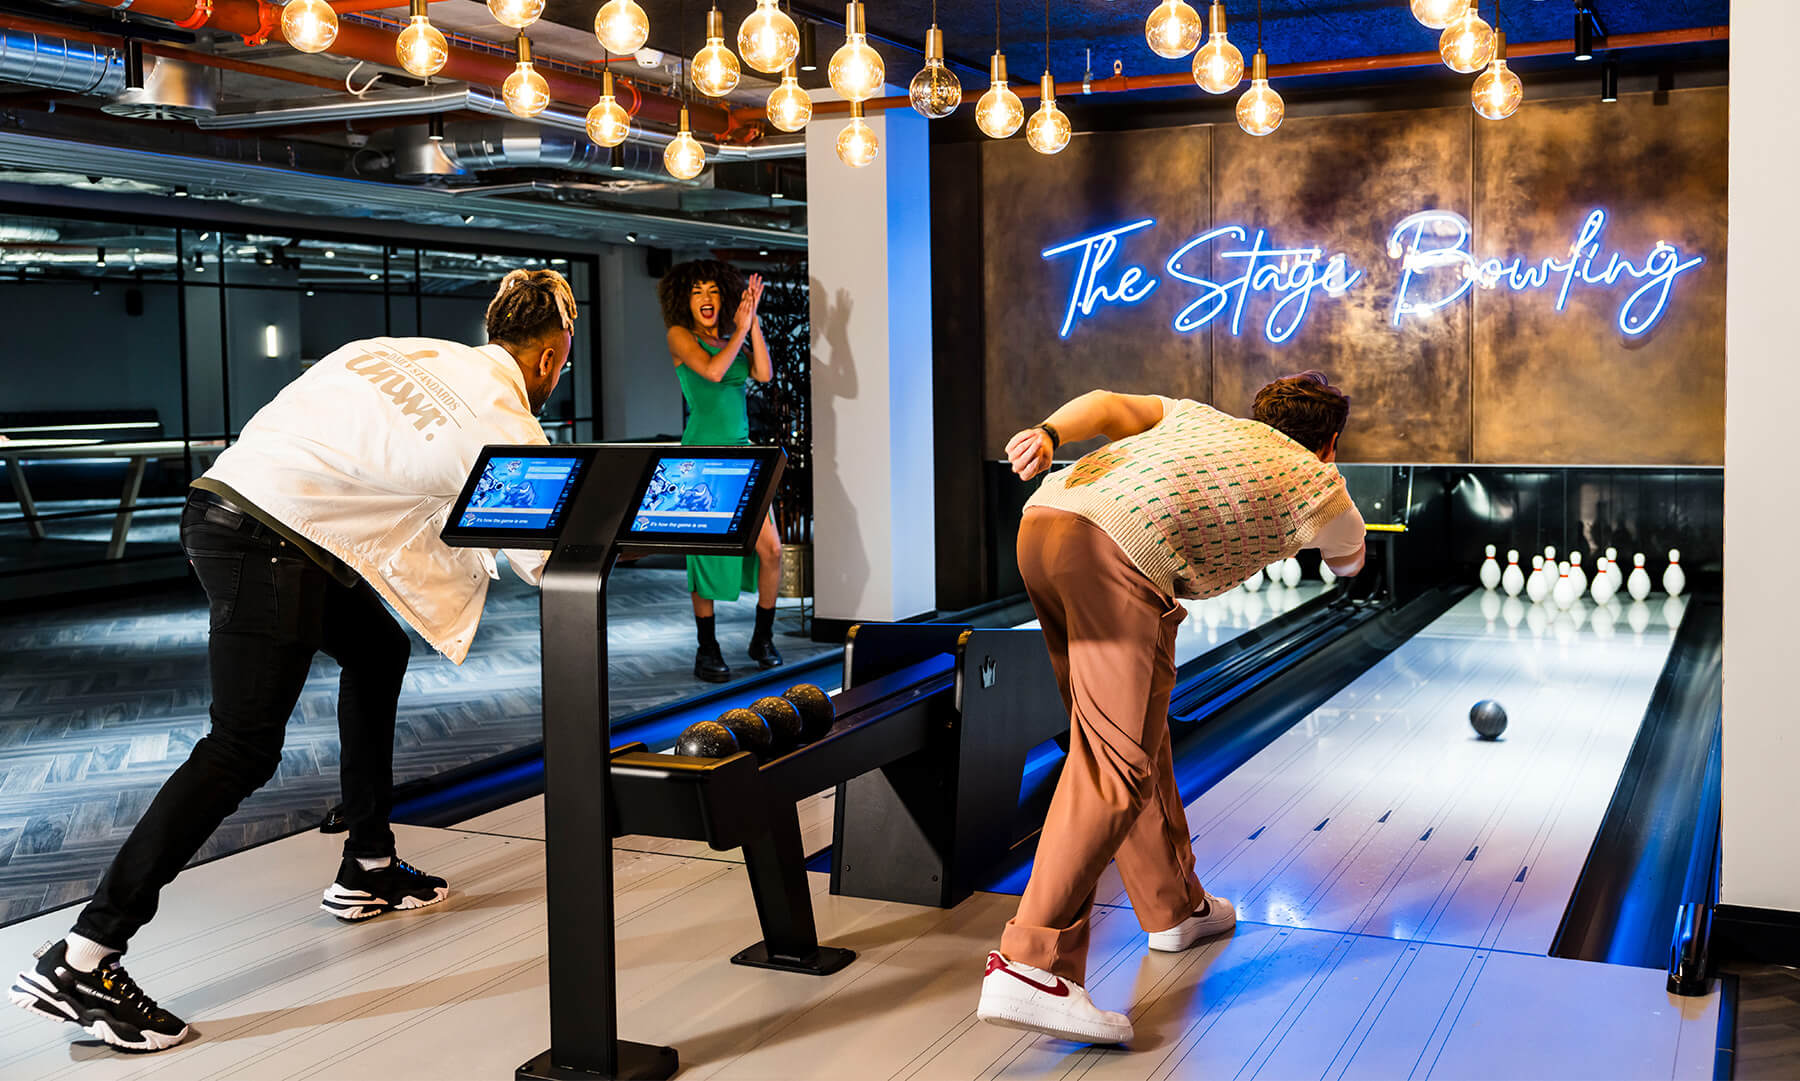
x=1437, y=268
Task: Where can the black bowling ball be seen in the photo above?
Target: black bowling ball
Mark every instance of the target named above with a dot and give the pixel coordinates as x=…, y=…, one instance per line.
x=1488, y=717
x=816, y=712
x=783, y=719
x=751, y=730
x=706, y=739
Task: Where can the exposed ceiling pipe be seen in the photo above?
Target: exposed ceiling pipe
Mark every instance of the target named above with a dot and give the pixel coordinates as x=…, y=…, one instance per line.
x=361, y=41
x=172, y=52
x=1123, y=83
x=60, y=64
x=532, y=148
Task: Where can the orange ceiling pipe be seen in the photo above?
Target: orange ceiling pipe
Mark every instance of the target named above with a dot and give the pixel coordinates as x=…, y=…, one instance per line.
x=376, y=46
x=26, y=25
x=1120, y=83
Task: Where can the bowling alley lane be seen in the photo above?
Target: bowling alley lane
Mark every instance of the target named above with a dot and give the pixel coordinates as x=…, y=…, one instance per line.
x=1382, y=813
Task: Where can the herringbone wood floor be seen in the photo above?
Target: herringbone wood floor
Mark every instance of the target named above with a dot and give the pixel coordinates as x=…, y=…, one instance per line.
x=99, y=702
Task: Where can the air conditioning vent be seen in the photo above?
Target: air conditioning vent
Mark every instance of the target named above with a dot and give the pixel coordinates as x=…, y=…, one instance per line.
x=172, y=91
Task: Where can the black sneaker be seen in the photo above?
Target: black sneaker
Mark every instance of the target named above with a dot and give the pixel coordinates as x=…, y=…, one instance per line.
x=764, y=653
x=106, y=1002
x=358, y=894
x=709, y=665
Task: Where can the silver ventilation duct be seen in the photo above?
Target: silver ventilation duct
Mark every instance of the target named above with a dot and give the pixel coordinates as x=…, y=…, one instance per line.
x=172, y=90
x=59, y=64
x=519, y=146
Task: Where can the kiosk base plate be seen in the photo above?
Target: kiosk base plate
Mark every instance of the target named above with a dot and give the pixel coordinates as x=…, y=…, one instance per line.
x=637, y=1062
x=829, y=959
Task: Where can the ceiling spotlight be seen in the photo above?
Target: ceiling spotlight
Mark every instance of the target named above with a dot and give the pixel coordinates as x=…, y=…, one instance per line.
x=199, y=264
x=1609, y=81
x=809, y=46
x=434, y=128
x=374, y=277
x=762, y=251
x=631, y=238
x=329, y=254
x=615, y=159
x=1584, y=31
x=94, y=289
x=468, y=219
x=180, y=191
x=134, y=64
x=100, y=258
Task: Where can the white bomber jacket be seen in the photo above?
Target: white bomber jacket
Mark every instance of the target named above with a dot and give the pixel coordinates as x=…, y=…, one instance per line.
x=365, y=452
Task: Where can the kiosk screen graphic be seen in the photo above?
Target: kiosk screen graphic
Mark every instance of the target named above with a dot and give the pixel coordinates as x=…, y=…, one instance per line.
x=518, y=493
x=706, y=497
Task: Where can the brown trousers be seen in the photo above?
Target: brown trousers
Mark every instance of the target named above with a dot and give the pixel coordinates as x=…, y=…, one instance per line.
x=1111, y=635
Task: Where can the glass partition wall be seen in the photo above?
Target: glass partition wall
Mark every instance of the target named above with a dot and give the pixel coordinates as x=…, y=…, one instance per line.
x=135, y=352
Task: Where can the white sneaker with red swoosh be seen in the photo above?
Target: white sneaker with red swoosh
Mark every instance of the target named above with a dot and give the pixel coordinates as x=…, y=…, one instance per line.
x=1020, y=996
x=1216, y=918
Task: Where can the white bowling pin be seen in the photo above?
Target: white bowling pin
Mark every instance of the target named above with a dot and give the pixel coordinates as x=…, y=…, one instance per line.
x=1272, y=573
x=1638, y=585
x=1538, y=586
x=1290, y=572
x=1603, y=588
x=1564, y=594
x=1575, y=572
x=1674, y=579
x=1490, y=571
x=1512, y=579
x=1325, y=574
x=1255, y=581
x=1614, y=571
x=1550, y=557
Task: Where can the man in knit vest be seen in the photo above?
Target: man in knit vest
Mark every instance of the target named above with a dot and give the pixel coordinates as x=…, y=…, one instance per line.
x=1185, y=502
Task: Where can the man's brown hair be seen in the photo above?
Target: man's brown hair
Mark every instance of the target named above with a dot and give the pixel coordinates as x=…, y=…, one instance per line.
x=529, y=305
x=1306, y=408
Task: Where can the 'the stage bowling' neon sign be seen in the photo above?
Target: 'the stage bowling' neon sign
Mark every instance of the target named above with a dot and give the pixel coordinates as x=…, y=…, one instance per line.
x=1436, y=270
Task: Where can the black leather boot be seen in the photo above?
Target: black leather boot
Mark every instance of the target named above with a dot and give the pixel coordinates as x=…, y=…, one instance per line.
x=709, y=665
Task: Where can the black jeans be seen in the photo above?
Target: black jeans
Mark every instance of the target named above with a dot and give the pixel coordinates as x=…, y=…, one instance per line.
x=272, y=608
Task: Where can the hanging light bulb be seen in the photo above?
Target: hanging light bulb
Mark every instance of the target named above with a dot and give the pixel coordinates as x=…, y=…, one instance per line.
x=790, y=106
x=1498, y=91
x=857, y=144
x=1467, y=44
x=1173, y=29
x=999, y=112
x=525, y=91
x=716, y=71
x=1049, y=129
x=621, y=26
x=1438, y=14
x=607, y=122
x=517, y=14
x=1218, y=66
x=768, y=39
x=856, y=71
x=420, y=47
x=684, y=157
x=935, y=90
x=309, y=25
x=1260, y=110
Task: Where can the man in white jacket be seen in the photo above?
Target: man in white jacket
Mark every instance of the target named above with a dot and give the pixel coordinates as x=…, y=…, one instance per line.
x=328, y=504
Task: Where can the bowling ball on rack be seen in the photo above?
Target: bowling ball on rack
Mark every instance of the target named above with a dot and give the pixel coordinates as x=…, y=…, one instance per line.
x=1488, y=718
x=816, y=712
x=751, y=730
x=706, y=739
x=783, y=718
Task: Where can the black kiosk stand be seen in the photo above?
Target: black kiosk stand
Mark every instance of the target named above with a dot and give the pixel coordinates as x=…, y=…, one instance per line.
x=587, y=504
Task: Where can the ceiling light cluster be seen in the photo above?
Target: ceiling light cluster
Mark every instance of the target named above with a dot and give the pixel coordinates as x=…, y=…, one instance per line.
x=1468, y=44
x=1173, y=31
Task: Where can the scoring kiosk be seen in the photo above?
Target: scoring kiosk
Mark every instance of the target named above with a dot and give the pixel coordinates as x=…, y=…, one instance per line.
x=587, y=504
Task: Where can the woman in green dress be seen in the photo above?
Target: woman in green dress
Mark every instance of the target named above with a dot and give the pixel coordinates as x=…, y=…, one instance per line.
x=716, y=344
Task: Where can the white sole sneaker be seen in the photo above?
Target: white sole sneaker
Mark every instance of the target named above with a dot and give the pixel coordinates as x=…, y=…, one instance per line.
x=1019, y=996
x=352, y=905
x=29, y=993
x=1220, y=917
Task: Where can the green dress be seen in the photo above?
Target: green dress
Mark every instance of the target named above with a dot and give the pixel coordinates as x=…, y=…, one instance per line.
x=717, y=416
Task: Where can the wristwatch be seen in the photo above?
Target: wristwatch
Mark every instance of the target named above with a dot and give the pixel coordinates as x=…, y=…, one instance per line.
x=1055, y=439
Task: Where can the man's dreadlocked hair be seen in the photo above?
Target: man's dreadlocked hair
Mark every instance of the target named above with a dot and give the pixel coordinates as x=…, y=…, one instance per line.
x=529, y=305
x=678, y=285
x=1306, y=408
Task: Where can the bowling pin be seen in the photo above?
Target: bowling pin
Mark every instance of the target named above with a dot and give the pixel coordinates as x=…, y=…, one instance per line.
x=1674, y=579
x=1564, y=594
x=1538, y=586
x=1255, y=581
x=1638, y=585
x=1614, y=571
x=1550, y=558
x=1290, y=572
x=1490, y=571
x=1512, y=579
x=1603, y=587
x=1575, y=572
x=1325, y=574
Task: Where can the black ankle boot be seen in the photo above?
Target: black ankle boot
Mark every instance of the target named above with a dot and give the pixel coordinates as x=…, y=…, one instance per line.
x=709, y=664
x=764, y=653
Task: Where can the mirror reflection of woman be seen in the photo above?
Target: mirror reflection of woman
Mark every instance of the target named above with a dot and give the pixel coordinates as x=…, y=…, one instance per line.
x=716, y=344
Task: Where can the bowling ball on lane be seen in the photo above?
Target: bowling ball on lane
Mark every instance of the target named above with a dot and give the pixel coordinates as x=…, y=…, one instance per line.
x=751, y=730
x=706, y=739
x=1488, y=717
x=783, y=718
x=816, y=712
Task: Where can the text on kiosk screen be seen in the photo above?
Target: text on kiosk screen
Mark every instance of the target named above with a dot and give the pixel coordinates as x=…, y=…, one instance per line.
x=697, y=495
x=527, y=494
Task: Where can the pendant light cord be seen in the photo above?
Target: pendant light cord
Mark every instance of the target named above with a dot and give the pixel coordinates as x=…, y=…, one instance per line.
x=996, y=25
x=1259, y=26
x=1047, y=33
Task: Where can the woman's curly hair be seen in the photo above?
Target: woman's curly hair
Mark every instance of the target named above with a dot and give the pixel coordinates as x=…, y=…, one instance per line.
x=678, y=285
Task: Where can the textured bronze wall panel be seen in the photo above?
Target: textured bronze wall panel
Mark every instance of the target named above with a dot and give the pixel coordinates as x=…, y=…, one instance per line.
x=1570, y=386
x=1341, y=183
x=1033, y=202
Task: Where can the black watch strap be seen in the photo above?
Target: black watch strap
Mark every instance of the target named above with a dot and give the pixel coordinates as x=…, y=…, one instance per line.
x=1055, y=439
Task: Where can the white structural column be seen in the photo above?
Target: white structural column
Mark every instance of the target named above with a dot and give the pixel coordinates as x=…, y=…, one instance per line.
x=1762, y=499
x=869, y=239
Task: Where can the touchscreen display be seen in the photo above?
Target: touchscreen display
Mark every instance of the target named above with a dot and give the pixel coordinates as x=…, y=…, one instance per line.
x=521, y=493
x=703, y=497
